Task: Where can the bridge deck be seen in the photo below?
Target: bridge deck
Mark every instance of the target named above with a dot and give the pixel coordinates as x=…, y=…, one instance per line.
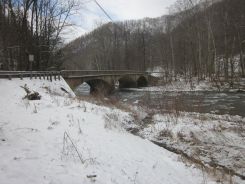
x=100, y=75
x=69, y=73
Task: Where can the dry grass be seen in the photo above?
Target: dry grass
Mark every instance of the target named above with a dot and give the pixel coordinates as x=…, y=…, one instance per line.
x=112, y=121
x=165, y=133
x=113, y=103
x=181, y=136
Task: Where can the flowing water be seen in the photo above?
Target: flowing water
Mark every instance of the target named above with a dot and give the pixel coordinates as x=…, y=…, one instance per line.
x=202, y=101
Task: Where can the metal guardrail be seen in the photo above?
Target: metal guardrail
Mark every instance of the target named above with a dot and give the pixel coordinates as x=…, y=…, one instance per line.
x=49, y=75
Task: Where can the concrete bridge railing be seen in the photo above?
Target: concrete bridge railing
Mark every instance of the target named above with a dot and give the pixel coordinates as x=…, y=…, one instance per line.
x=67, y=73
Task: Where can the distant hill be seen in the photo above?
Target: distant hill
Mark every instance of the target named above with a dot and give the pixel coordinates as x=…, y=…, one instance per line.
x=188, y=42
x=112, y=44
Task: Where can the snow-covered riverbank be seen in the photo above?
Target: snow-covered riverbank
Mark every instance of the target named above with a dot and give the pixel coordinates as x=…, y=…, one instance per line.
x=215, y=141
x=181, y=84
x=61, y=140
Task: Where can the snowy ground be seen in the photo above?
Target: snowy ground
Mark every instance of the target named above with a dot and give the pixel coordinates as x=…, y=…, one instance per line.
x=213, y=140
x=194, y=85
x=181, y=83
x=61, y=140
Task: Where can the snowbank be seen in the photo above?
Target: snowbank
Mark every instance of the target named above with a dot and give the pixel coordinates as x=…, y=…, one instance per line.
x=182, y=85
x=61, y=140
x=156, y=71
x=214, y=140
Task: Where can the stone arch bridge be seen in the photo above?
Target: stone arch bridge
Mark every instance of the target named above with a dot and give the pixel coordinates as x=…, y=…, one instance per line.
x=104, y=81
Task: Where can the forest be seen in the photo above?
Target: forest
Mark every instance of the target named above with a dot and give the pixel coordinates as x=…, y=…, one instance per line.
x=31, y=29
x=197, y=39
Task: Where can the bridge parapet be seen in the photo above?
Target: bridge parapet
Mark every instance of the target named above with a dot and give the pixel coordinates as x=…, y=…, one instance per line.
x=77, y=73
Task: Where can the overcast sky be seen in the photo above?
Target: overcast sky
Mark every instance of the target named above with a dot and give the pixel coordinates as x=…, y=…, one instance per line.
x=90, y=15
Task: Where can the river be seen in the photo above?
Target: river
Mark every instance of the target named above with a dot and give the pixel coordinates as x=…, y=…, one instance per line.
x=200, y=101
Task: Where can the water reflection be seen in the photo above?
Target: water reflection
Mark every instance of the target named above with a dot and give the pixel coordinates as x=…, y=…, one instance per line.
x=83, y=90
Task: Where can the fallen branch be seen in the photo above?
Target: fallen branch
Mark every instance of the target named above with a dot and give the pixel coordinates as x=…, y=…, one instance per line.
x=30, y=95
x=67, y=137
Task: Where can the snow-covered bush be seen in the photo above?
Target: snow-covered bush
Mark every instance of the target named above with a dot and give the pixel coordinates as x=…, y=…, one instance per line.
x=112, y=121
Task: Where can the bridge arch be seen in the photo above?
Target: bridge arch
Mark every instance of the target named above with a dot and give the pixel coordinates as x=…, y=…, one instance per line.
x=96, y=85
x=100, y=86
x=142, y=81
x=127, y=82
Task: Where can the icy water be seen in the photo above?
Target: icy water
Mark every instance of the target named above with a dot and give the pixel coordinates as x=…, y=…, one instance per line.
x=205, y=102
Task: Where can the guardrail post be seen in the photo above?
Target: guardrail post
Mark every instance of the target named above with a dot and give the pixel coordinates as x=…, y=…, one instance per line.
x=21, y=76
x=50, y=74
x=40, y=76
x=9, y=77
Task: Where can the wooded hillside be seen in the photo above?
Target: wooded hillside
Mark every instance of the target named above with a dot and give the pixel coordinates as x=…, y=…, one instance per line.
x=31, y=27
x=203, y=40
